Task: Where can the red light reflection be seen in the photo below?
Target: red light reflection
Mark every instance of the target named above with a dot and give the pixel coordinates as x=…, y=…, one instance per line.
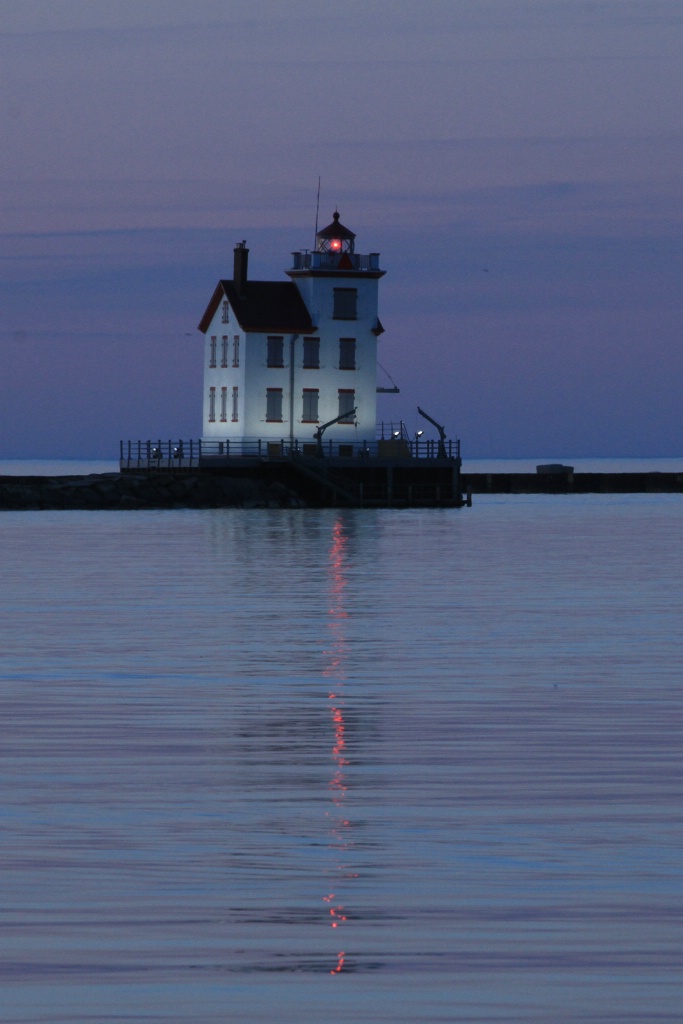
x=340, y=825
x=340, y=963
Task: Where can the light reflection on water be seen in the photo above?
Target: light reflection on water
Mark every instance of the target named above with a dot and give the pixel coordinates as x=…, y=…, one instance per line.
x=340, y=826
x=430, y=759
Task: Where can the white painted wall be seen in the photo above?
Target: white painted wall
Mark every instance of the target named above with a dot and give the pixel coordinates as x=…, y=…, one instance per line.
x=253, y=376
x=220, y=377
x=317, y=292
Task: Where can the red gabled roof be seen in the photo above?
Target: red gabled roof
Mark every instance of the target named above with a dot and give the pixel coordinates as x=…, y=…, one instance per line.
x=274, y=306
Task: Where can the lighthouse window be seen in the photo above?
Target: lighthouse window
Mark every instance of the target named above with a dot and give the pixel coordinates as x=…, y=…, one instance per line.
x=236, y=351
x=276, y=351
x=212, y=405
x=347, y=353
x=311, y=353
x=274, y=405
x=212, y=352
x=224, y=404
x=226, y=315
x=345, y=303
x=310, y=407
x=235, y=395
x=224, y=350
x=347, y=403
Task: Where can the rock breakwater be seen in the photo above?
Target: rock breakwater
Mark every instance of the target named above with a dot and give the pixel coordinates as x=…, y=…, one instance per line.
x=120, y=491
x=573, y=483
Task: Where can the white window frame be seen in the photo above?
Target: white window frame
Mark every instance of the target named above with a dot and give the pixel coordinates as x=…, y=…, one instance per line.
x=309, y=403
x=347, y=353
x=311, y=358
x=347, y=402
x=275, y=352
x=345, y=304
x=273, y=405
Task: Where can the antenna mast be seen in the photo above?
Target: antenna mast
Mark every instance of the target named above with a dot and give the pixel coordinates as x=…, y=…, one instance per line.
x=317, y=209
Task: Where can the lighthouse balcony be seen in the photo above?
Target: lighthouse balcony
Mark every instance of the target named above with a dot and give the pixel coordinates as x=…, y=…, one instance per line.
x=307, y=260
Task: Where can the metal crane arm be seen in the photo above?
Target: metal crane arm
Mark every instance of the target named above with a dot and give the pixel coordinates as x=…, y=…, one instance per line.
x=442, y=432
x=318, y=435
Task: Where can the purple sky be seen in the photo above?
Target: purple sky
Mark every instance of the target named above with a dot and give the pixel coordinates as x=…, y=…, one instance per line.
x=518, y=164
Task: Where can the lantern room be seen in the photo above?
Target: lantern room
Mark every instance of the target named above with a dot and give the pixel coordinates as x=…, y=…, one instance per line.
x=335, y=237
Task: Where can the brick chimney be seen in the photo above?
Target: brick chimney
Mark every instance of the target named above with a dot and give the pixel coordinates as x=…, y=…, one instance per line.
x=239, y=274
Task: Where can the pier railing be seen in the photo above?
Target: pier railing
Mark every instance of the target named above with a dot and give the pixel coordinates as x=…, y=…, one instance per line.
x=160, y=454
x=187, y=455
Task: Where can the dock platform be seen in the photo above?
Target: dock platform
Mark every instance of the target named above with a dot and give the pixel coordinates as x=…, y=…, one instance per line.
x=378, y=474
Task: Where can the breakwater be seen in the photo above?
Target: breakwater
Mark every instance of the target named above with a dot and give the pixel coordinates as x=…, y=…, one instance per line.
x=201, y=490
x=572, y=483
x=158, y=490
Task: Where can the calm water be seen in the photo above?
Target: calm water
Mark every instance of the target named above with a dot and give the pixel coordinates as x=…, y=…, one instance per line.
x=357, y=767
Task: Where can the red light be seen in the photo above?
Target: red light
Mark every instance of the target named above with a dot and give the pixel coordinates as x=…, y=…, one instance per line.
x=335, y=244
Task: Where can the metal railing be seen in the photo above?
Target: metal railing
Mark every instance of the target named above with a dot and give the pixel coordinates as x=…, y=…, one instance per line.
x=160, y=454
x=176, y=455
x=388, y=430
x=306, y=260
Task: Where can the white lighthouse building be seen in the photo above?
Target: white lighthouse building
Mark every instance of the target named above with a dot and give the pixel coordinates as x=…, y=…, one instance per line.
x=286, y=360
x=290, y=394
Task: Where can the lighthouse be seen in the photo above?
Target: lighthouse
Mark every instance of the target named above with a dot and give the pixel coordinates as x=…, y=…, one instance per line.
x=290, y=391
x=286, y=360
